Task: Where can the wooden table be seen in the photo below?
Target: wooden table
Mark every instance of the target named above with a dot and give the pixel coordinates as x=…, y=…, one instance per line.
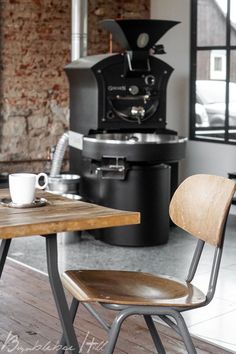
x=58, y=215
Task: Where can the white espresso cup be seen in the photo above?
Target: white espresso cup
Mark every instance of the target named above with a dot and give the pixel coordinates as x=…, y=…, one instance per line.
x=22, y=186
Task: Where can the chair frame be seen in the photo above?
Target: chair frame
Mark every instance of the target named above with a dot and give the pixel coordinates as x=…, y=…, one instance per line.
x=164, y=313
x=170, y=315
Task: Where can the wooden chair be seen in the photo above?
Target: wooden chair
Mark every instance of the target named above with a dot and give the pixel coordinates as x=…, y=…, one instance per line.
x=199, y=206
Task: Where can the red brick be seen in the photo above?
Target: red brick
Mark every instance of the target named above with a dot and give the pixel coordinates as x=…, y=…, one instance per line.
x=35, y=47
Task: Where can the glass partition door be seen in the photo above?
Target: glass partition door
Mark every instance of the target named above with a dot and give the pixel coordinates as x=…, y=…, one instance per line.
x=213, y=71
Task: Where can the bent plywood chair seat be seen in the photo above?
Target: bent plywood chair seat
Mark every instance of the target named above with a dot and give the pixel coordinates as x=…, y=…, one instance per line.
x=199, y=206
x=131, y=288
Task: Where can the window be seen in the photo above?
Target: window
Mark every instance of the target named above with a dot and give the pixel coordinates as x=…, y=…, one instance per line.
x=217, y=65
x=213, y=71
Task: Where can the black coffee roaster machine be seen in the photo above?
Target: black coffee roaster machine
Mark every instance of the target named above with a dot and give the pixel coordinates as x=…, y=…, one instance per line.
x=118, y=140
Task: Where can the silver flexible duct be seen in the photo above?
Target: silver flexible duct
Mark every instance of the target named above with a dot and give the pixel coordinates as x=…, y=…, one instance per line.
x=59, y=154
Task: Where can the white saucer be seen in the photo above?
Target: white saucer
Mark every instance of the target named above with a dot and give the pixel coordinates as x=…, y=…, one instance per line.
x=38, y=202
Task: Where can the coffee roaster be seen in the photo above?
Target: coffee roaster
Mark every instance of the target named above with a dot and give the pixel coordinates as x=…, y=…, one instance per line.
x=119, y=143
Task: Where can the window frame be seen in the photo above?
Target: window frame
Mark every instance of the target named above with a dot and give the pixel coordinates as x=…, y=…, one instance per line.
x=194, y=49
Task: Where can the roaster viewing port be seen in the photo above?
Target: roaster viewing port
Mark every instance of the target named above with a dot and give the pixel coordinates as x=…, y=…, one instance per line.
x=119, y=144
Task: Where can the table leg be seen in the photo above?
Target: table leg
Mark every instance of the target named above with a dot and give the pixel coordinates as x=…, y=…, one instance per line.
x=5, y=244
x=59, y=295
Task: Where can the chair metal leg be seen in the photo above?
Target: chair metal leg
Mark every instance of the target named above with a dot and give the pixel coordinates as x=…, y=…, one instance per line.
x=170, y=323
x=114, y=332
x=73, y=310
x=59, y=295
x=116, y=326
x=155, y=336
x=94, y=313
x=185, y=334
x=148, y=311
x=5, y=244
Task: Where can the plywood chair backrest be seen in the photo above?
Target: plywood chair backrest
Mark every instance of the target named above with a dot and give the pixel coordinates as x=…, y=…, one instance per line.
x=200, y=206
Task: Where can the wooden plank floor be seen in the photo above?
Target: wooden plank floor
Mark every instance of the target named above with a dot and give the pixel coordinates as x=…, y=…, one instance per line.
x=29, y=322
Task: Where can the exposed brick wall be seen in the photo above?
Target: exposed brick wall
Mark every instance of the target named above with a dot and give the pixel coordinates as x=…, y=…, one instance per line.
x=35, y=48
x=35, y=43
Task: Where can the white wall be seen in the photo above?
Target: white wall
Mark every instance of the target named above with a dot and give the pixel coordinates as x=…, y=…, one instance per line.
x=176, y=44
x=201, y=157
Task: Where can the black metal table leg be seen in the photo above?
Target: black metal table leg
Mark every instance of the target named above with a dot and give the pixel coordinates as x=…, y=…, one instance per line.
x=59, y=296
x=5, y=244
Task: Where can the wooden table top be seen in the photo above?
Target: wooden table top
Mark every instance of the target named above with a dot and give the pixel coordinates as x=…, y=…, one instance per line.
x=58, y=215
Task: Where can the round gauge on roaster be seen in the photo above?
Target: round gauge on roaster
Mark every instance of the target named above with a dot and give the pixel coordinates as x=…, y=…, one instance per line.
x=142, y=40
x=134, y=90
